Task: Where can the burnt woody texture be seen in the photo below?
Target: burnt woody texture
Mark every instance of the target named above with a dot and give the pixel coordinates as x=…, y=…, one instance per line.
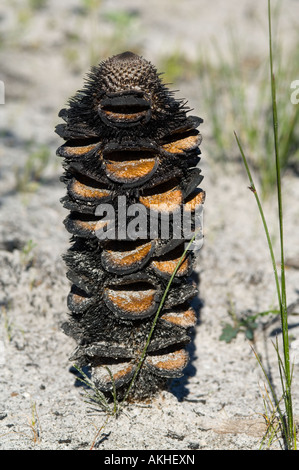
x=126, y=135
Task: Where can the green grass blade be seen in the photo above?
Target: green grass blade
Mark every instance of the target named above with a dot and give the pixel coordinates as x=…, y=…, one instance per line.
x=261, y=211
x=283, y=304
x=157, y=316
x=272, y=390
x=284, y=364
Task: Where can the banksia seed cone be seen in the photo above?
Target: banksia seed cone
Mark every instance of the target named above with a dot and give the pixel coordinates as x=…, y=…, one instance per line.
x=130, y=147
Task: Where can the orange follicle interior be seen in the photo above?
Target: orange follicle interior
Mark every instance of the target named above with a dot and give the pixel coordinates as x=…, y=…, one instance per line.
x=182, y=145
x=132, y=299
x=195, y=199
x=168, y=266
x=126, y=171
x=185, y=319
x=85, y=191
x=167, y=201
x=127, y=258
x=170, y=362
x=78, y=150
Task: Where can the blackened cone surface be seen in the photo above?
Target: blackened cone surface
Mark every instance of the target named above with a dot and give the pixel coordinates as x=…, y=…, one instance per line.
x=127, y=136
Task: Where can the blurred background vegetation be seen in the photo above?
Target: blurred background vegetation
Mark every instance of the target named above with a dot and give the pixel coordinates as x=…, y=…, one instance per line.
x=231, y=88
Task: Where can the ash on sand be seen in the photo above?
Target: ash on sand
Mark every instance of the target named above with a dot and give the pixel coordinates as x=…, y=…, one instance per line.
x=218, y=403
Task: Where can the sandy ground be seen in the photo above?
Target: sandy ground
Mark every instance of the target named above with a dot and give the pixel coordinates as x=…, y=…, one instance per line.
x=218, y=404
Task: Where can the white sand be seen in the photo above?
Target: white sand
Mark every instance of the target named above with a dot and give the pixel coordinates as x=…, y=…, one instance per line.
x=220, y=399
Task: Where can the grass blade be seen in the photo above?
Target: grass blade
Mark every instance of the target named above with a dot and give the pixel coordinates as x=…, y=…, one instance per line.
x=283, y=303
x=284, y=365
x=261, y=211
x=143, y=354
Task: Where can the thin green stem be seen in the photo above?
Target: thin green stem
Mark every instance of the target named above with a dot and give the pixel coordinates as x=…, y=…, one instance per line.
x=283, y=304
x=271, y=389
x=253, y=189
x=157, y=316
x=287, y=395
x=284, y=367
